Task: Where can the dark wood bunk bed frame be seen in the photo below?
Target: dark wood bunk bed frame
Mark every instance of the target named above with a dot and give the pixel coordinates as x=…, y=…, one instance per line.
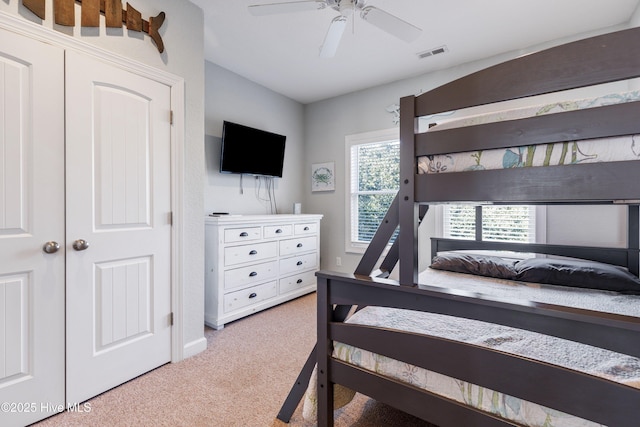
x=601, y=59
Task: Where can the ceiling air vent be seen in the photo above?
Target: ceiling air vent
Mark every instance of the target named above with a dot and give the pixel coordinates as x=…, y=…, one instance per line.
x=431, y=52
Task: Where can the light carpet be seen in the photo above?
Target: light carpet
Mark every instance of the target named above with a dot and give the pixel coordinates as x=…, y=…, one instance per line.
x=240, y=380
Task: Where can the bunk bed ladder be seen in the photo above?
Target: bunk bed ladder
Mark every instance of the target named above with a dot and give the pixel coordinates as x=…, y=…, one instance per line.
x=380, y=241
x=366, y=267
x=340, y=314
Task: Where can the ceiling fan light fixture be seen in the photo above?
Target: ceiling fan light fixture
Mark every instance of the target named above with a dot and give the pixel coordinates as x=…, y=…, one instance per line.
x=346, y=7
x=376, y=17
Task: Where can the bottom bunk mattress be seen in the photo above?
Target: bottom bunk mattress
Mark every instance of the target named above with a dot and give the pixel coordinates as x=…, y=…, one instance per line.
x=580, y=357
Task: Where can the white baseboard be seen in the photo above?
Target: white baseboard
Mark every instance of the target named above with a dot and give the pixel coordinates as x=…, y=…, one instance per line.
x=195, y=347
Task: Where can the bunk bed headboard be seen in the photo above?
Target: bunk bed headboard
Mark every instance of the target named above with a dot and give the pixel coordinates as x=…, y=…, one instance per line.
x=601, y=59
x=596, y=60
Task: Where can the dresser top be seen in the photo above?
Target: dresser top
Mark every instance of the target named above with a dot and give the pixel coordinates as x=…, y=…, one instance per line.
x=260, y=219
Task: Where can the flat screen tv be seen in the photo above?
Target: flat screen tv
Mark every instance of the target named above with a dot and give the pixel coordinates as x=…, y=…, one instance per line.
x=246, y=150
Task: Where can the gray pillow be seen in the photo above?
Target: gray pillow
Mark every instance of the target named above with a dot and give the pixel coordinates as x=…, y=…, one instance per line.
x=481, y=265
x=577, y=273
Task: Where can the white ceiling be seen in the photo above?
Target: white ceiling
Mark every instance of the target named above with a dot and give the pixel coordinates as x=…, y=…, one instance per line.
x=280, y=52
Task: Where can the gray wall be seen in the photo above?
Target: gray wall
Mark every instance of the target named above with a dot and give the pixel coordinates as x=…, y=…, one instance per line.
x=236, y=99
x=183, y=36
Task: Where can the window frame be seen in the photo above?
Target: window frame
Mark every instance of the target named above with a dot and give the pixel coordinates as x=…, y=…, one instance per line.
x=384, y=135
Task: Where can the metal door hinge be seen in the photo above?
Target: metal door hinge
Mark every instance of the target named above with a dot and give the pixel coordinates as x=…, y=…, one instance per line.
x=171, y=117
x=171, y=318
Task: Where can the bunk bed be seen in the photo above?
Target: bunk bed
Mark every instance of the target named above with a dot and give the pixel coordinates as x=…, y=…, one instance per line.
x=611, y=329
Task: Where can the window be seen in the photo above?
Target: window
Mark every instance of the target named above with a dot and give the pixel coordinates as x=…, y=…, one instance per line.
x=499, y=223
x=373, y=180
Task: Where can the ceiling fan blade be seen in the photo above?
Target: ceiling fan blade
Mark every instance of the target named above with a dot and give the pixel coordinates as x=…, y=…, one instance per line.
x=286, y=7
x=332, y=39
x=390, y=23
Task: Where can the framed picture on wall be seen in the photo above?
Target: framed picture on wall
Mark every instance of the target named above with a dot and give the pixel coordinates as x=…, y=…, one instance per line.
x=323, y=176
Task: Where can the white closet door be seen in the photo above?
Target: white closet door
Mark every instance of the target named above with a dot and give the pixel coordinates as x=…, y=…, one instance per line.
x=118, y=206
x=32, y=282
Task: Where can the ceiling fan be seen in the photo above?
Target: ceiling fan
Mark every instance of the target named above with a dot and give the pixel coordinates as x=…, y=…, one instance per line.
x=378, y=17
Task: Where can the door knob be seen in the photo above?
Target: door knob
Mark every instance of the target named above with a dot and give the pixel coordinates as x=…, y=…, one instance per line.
x=80, y=245
x=51, y=247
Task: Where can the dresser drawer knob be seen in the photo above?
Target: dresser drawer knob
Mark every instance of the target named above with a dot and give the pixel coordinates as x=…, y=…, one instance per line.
x=299, y=281
x=253, y=274
x=306, y=229
x=253, y=295
x=253, y=252
x=299, y=245
x=244, y=234
x=278, y=231
x=299, y=263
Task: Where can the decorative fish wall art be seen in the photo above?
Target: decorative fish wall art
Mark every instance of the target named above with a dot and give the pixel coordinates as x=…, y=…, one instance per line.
x=115, y=16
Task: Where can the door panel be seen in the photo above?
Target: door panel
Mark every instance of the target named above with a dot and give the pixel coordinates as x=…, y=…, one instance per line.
x=14, y=300
x=118, y=200
x=31, y=213
x=123, y=290
x=122, y=158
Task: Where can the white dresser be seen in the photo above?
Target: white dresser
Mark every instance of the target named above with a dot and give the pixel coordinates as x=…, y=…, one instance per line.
x=254, y=262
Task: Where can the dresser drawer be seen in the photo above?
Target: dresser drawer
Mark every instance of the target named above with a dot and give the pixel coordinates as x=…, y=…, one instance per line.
x=253, y=262
x=271, y=231
x=246, y=234
x=234, y=255
x=298, y=263
x=309, y=228
x=301, y=280
x=252, y=274
x=301, y=244
x=240, y=299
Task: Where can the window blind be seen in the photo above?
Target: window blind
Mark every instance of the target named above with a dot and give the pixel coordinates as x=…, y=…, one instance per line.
x=499, y=223
x=459, y=221
x=375, y=179
x=508, y=223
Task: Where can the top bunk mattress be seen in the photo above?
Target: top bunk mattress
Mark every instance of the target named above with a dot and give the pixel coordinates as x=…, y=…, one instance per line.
x=556, y=154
